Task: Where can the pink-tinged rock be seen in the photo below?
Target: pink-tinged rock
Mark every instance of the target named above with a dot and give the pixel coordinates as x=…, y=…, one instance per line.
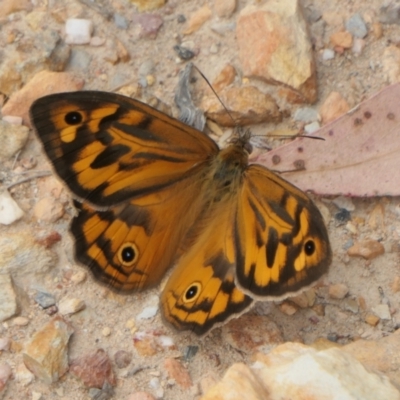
x=43, y=83
x=178, y=372
x=274, y=46
x=149, y=24
x=334, y=106
x=46, y=355
x=93, y=369
x=251, y=332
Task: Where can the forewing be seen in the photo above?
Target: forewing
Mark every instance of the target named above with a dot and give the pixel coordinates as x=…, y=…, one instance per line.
x=110, y=148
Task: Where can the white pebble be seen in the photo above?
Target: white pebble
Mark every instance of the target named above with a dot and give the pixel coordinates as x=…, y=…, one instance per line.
x=328, y=54
x=382, y=311
x=344, y=202
x=9, y=209
x=70, y=306
x=148, y=312
x=311, y=128
x=78, y=31
x=166, y=341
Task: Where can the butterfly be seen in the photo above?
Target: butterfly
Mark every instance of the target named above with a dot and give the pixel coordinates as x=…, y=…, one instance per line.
x=153, y=193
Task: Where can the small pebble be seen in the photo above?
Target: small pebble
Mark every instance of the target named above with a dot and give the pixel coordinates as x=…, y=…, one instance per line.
x=93, y=369
x=342, y=216
x=154, y=383
x=78, y=31
x=4, y=343
x=368, y=249
x=166, y=341
x=350, y=305
x=343, y=202
x=332, y=337
x=184, y=53
x=122, y=358
x=372, y=319
x=147, y=313
x=9, y=209
x=356, y=26
x=120, y=21
x=189, y=352
x=45, y=300
x=146, y=68
x=319, y=309
x=311, y=128
x=71, y=306
x=177, y=371
x=328, y=54
x=377, y=30
x=78, y=277
x=306, y=114
x=351, y=228
x=358, y=46
x=288, y=308
x=342, y=39
x=382, y=311
x=106, y=331
x=338, y=291
x=20, y=321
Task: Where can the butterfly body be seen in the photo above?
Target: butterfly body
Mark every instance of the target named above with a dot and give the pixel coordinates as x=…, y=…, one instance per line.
x=153, y=192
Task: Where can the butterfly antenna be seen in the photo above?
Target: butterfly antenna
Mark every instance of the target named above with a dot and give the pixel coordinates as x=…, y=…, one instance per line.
x=292, y=137
x=216, y=95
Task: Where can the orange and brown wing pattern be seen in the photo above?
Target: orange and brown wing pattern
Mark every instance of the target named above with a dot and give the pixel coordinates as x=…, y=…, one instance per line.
x=201, y=292
x=129, y=247
x=109, y=148
x=281, y=240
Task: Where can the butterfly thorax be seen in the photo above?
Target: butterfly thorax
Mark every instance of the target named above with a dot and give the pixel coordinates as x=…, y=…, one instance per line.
x=227, y=170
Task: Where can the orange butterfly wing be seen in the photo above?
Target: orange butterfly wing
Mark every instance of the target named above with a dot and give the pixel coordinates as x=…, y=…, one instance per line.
x=109, y=148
